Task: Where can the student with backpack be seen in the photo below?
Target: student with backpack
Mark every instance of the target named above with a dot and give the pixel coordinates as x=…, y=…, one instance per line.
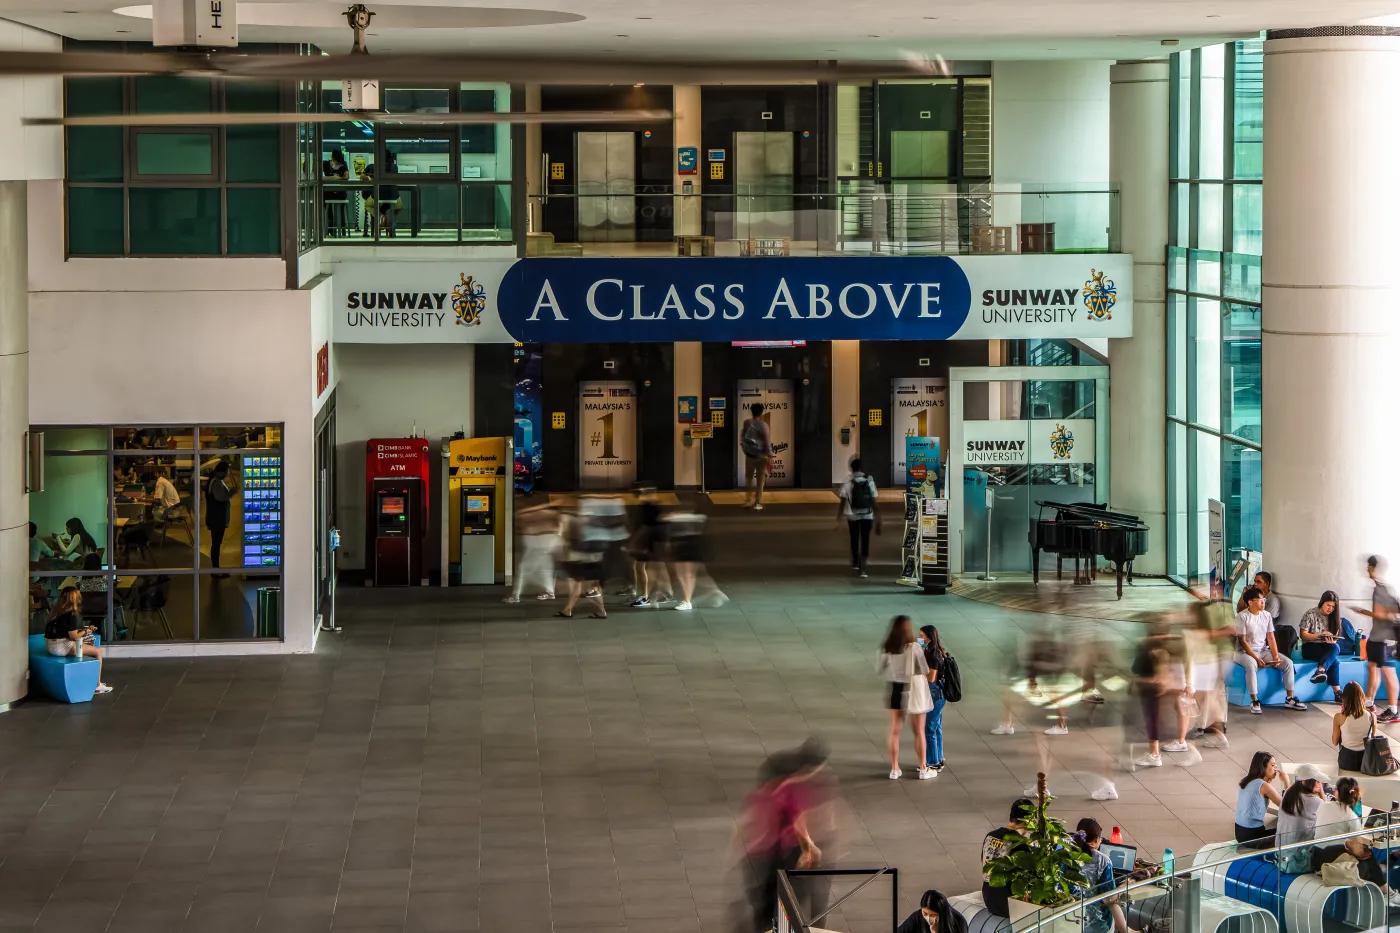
x=756, y=443
x=945, y=685
x=858, y=507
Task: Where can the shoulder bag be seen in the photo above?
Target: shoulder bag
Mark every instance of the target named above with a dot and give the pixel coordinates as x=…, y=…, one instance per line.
x=1376, y=759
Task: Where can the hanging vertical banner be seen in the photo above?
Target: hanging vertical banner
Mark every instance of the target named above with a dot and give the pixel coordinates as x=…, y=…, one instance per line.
x=607, y=434
x=1218, y=571
x=918, y=408
x=777, y=400
x=924, y=466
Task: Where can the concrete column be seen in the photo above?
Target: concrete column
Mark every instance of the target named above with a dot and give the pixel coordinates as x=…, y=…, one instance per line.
x=685, y=104
x=14, y=422
x=1139, y=104
x=845, y=405
x=687, y=378
x=534, y=180
x=1331, y=337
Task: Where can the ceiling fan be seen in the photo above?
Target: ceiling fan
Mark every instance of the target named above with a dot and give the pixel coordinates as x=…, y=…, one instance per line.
x=361, y=74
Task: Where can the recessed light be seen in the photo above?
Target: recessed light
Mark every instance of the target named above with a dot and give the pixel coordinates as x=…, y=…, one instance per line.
x=930, y=17
x=622, y=35
x=123, y=31
x=1212, y=16
x=1052, y=50
x=643, y=17
x=1171, y=42
x=872, y=36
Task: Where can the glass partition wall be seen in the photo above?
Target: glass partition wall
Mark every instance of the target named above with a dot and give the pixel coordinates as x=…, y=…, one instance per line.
x=169, y=533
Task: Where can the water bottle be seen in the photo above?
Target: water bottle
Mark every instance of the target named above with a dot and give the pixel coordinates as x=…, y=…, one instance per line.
x=1168, y=862
x=1116, y=836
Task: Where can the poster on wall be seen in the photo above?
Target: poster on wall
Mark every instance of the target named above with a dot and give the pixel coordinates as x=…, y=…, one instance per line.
x=1062, y=440
x=529, y=416
x=1218, y=570
x=918, y=408
x=607, y=434
x=777, y=399
x=924, y=466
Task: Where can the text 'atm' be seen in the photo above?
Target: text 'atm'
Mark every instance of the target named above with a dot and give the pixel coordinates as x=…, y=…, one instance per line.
x=396, y=490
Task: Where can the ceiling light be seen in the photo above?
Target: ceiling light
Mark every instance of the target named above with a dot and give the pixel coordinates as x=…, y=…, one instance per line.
x=122, y=31
x=1171, y=42
x=930, y=17
x=1052, y=50
x=643, y=17
x=622, y=35
x=872, y=36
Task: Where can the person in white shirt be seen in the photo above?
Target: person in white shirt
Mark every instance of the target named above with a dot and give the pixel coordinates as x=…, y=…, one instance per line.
x=1258, y=648
x=165, y=497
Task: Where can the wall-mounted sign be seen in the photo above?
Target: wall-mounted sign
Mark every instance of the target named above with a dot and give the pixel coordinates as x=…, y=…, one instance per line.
x=1047, y=441
x=590, y=300
x=701, y=430
x=716, y=171
x=607, y=434
x=918, y=408
x=717, y=417
x=687, y=408
x=323, y=369
x=714, y=155
x=556, y=420
x=875, y=417
x=687, y=160
x=717, y=402
x=994, y=443
x=556, y=171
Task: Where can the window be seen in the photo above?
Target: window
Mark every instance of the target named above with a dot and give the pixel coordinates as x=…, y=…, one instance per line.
x=1214, y=291
x=163, y=191
x=170, y=533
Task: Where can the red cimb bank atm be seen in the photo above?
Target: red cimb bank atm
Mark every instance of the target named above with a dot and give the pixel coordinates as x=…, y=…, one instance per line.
x=396, y=510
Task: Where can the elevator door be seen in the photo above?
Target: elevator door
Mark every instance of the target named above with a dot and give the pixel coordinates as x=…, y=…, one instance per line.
x=763, y=184
x=923, y=212
x=607, y=181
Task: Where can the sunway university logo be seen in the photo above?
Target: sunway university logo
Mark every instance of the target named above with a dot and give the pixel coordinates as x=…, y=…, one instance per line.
x=1061, y=442
x=468, y=300
x=1100, y=295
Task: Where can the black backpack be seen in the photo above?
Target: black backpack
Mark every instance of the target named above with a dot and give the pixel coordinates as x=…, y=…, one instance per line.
x=751, y=438
x=950, y=679
x=862, y=498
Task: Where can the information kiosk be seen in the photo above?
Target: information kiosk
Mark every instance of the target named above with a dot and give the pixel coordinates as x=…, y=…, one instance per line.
x=396, y=504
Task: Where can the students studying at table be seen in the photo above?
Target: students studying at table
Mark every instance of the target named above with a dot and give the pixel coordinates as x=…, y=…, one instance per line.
x=73, y=543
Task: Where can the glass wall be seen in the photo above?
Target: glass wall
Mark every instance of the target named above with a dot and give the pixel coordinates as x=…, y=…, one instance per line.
x=1214, y=401
x=170, y=533
x=172, y=191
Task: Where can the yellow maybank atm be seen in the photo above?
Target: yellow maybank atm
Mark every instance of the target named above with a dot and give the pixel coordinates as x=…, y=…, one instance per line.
x=480, y=509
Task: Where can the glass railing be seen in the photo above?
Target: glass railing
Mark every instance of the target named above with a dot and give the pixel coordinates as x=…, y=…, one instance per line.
x=430, y=211
x=894, y=218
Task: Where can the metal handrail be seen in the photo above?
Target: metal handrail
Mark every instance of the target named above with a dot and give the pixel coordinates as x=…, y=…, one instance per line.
x=1079, y=905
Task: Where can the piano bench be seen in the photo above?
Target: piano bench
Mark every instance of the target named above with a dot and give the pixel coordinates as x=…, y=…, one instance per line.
x=1271, y=691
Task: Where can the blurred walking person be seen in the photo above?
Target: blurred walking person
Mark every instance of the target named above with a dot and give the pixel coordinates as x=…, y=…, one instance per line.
x=860, y=508
x=1209, y=641
x=774, y=830
x=1380, y=644
x=584, y=549
x=647, y=547
x=685, y=535
x=905, y=670
x=539, y=542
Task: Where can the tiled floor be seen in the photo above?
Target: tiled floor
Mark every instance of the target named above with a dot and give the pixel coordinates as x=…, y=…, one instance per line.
x=452, y=763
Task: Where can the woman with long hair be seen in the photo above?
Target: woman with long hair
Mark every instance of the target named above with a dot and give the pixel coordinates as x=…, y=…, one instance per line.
x=934, y=656
x=65, y=633
x=1297, y=822
x=75, y=543
x=1320, y=629
x=905, y=670
x=935, y=915
x=1256, y=792
x=1351, y=726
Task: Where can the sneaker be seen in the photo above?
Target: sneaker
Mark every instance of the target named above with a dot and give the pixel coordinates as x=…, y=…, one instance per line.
x=717, y=600
x=1107, y=792
x=928, y=774
x=1197, y=733
x=1149, y=761
x=593, y=593
x=1295, y=703
x=896, y=774
x=864, y=575
x=1093, y=696
x=103, y=688
x=1176, y=747
x=1319, y=676
x=1190, y=759
x=641, y=602
x=1255, y=708
x=511, y=599
x=1004, y=729
x=938, y=765
x=1388, y=716
x=683, y=606
x=545, y=596
x=1057, y=729
x=1393, y=900
x=758, y=508
x=1214, y=740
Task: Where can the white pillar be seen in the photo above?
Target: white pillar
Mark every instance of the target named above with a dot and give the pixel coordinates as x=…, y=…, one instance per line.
x=1139, y=104
x=687, y=375
x=685, y=104
x=1331, y=335
x=845, y=405
x=14, y=422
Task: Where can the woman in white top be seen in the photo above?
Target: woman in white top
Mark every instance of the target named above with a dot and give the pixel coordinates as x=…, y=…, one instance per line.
x=905, y=669
x=1350, y=728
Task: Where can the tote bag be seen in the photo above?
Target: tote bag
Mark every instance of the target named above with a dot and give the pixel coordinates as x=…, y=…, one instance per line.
x=917, y=699
x=1376, y=759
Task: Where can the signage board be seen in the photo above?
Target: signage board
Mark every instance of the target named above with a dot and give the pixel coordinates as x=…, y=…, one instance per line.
x=714, y=155
x=924, y=471
x=995, y=443
x=717, y=417
x=687, y=408
x=874, y=417
x=702, y=429
x=323, y=369
x=607, y=434
x=776, y=396
x=722, y=299
x=717, y=402
x=918, y=408
x=1062, y=440
x=1216, y=548
x=687, y=160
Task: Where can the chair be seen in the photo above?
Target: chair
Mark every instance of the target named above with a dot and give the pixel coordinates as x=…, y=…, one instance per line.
x=149, y=600
x=179, y=512
x=135, y=537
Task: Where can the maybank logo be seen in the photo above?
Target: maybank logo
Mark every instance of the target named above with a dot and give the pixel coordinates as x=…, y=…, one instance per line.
x=1061, y=442
x=1100, y=295
x=468, y=300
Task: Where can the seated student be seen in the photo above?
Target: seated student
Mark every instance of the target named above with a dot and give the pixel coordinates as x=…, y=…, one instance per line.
x=935, y=915
x=74, y=543
x=64, y=631
x=1259, y=648
x=1320, y=630
x=1264, y=583
x=1256, y=792
x=39, y=553
x=1098, y=878
x=1297, y=822
x=1341, y=815
x=1350, y=727
x=997, y=843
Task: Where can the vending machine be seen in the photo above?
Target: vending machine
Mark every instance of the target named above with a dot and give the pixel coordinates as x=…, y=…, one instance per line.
x=479, y=506
x=396, y=510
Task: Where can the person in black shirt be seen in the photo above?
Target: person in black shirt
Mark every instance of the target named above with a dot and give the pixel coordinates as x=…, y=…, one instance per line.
x=935, y=915
x=997, y=843
x=64, y=632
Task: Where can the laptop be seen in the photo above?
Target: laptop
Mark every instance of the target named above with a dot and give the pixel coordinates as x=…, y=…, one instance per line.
x=1122, y=857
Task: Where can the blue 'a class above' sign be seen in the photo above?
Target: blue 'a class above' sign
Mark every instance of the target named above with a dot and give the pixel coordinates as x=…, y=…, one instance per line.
x=751, y=299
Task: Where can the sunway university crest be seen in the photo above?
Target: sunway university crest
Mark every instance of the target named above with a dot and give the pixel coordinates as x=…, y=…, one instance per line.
x=1100, y=295
x=1061, y=442
x=468, y=300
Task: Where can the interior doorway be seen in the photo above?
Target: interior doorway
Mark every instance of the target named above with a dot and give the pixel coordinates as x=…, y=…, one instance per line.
x=763, y=184
x=607, y=185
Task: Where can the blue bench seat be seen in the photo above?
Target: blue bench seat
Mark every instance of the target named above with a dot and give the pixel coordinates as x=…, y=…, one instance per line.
x=67, y=679
x=1271, y=691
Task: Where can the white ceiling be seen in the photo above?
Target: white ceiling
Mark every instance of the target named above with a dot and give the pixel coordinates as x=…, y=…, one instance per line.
x=797, y=29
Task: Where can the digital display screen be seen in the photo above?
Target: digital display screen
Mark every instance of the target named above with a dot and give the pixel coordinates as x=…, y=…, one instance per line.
x=261, y=489
x=478, y=503
x=391, y=505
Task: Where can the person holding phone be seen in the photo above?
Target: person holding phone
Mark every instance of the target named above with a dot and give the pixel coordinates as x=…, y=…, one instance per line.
x=1259, y=648
x=65, y=635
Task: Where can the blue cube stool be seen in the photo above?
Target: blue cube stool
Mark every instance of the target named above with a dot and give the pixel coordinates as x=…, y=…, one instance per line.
x=67, y=679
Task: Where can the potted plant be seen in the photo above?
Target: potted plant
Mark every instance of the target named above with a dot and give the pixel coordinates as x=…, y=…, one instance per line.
x=1043, y=868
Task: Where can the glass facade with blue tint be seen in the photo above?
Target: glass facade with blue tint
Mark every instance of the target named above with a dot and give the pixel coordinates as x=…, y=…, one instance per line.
x=1214, y=441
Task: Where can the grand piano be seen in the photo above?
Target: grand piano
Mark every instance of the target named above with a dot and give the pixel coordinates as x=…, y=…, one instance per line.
x=1084, y=531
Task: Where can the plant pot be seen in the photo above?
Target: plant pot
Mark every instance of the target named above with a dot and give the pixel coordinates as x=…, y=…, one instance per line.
x=1019, y=909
